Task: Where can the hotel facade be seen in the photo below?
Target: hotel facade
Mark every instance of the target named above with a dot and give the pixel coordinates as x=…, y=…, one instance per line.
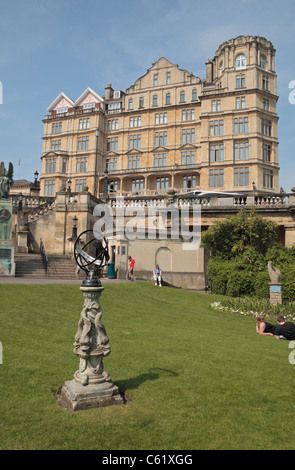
x=171, y=130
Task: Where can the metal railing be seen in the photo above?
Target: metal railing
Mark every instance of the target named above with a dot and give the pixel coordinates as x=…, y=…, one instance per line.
x=43, y=256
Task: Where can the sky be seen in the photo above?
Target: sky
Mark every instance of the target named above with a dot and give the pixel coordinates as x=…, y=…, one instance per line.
x=53, y=46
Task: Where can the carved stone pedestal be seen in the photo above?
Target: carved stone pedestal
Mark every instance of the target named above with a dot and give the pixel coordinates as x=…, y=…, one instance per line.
x=92, y=387
x=275, y=293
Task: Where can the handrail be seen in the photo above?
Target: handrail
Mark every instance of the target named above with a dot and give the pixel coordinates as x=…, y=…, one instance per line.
x=43, y=255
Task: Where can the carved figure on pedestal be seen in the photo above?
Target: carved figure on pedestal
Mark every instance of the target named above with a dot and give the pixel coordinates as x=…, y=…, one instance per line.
x=274, y=273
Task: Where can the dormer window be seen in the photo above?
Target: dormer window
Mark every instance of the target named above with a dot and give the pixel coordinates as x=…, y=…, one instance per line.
x=88, y=105
x=241, y=61
x=62, y=110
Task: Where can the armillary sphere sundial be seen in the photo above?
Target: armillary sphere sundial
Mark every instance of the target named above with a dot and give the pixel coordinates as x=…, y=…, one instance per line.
x=91, y=256
x=92, y=386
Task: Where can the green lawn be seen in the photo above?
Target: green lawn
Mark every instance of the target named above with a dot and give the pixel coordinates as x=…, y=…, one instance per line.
x=195, y=378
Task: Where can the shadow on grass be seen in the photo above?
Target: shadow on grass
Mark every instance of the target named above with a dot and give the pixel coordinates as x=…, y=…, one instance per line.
x=134, y=382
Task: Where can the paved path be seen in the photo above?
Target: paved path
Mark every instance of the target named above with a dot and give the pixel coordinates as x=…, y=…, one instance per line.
x=27, y=280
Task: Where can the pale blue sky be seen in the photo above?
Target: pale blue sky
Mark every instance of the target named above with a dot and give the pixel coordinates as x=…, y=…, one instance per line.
x=49, y=46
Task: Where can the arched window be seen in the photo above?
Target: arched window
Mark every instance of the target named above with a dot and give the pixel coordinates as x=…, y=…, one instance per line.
x=241, y=61
x=263, y=62
x=220, y=68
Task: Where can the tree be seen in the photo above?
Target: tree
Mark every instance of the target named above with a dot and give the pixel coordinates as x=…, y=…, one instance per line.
x=246, y=231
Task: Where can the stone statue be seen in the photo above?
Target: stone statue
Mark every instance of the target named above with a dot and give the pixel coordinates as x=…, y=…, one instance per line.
x=91, y=341
x=6, y=180
x=274, y=273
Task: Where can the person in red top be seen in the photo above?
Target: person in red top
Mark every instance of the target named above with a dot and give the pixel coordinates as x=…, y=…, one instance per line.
x=131, y=268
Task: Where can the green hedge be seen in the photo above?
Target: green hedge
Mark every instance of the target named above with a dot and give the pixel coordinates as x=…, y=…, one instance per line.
x=247, y=275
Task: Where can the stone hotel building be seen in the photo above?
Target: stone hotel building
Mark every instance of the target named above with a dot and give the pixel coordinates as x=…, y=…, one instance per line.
x=171, y=130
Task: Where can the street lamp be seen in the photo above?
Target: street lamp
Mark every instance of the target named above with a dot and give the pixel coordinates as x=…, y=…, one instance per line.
x=105, y=182
x=36, y=174
x=69, y=186
x=74, y=231
x=95, y=166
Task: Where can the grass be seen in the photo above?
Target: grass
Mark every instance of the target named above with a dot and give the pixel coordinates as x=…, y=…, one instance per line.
x=196, y=378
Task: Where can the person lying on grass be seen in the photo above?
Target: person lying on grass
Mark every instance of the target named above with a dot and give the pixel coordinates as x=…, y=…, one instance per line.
x=264, y=328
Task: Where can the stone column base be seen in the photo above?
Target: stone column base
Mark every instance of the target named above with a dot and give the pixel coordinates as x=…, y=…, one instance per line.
x=275, y=293
x=75, y=396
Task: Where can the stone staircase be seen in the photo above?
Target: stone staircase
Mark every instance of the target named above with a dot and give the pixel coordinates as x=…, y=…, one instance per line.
x=30, y=265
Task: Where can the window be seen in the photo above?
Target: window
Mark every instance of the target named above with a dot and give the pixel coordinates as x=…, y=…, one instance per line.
x=267, y=178
x=266, y=152
x=113, y=186
x=55, y=145
x=130, y=103
x=216, y=153
x=112, y=144
x=135, y=141
x=137, y=185
x=189, y=182
x=84, y=123
x=155, y=100
x=156, y=80
x=64, y=165
x=240, y=81
x=241, y=125
x=168, y=98
x=112, y=164
x=161, y=118
x=80, y=184
x=216, y=178
x=141, y=102
x=133, y=162
x=61, y=110
x=160, y=138
x=163, y=183
x=194, y=94
x=81, y=166
x=188, y=115
x=168, y=78
x=89, y=105
x=241, y=151
x=160, y=160
x=113, y=124
x=216, y=128
x=265, y=127
x=56, y=127
x=187, y=158
x=265, y=83
x=135, y=121
x=241, y=102
x=188, y=136
x=49, y=188
x=241, y=176
x=182, y=97
x=83, y=143
x=265, y=104
x=262, y=62
x=241, y=61
x=215, y=105
x=50, y=165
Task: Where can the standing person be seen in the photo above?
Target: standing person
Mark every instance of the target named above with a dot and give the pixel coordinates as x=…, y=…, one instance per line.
x=157, y=273
x=285, y=330
x=264, y=328
x=131, y=268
